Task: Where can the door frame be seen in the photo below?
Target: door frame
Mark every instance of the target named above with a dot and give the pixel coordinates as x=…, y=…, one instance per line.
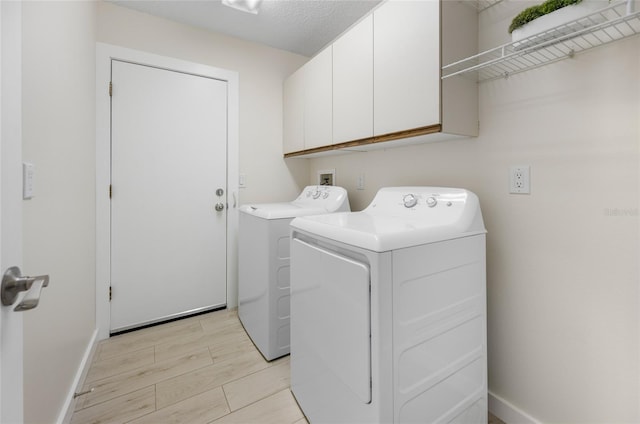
x=105, y=53
x=11, y=337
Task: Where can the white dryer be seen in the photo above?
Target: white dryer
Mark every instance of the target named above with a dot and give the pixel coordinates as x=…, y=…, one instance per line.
x=388, y=310
x=263, y=261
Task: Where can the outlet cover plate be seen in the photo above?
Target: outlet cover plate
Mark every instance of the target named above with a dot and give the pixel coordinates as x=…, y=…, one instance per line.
x=520, y=179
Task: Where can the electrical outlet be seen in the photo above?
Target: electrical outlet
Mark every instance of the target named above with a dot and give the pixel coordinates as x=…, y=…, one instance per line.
x=360, y=182
x=519, y=179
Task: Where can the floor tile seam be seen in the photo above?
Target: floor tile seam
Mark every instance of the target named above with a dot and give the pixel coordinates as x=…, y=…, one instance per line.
x=219, y=331
x=149, y=365
x=256, y=400
x=120, y=395
x=218, y=361
x=194, y=348
x=210, y=388
x=128, y=351
x=155, y=407
x=190, y=397
x=260, y=400
x=140, y=388
x=193, y=395
x=90, y=382
x=181, y=354
x=152, y=341
x=226, y=399
x=269, y=365
x=185, y=372
x=102, y=360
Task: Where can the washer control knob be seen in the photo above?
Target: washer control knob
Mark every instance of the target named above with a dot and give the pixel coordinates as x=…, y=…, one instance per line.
x=316, y=194
x=410, y=200
x=431, y=201
x=325, y=194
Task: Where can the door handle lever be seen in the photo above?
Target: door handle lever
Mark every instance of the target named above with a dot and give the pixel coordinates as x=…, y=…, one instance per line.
x=13, y=282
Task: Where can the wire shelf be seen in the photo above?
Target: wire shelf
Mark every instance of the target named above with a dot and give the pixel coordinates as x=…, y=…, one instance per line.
x=604, y=26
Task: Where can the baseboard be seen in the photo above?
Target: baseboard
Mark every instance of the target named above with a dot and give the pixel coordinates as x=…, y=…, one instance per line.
x=507, y=412
x=69, y=404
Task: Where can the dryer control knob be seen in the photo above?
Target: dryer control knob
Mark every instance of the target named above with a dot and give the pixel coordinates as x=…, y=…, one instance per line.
x=325, y=194
x=431, y=201
x=409, y=201
x=316, y=194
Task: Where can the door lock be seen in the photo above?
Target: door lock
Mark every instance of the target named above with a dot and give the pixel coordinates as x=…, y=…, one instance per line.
x=219, y=207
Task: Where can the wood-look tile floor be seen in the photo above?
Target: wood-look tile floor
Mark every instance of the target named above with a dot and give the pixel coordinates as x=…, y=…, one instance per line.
x=202, y=369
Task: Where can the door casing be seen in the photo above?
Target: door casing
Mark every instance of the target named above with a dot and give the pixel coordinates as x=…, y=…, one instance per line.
x=105, y=53
x=11, y=323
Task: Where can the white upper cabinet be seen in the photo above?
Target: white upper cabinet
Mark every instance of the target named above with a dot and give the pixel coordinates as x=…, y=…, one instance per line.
x=380, y=85
x=353, y=83
x=293, y=112
x=318, y=100
x=406, y=65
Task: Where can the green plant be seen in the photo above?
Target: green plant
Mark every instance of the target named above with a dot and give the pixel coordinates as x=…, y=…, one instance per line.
x=534, y=12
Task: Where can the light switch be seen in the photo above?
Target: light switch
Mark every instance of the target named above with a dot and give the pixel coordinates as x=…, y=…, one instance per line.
x=28, y=171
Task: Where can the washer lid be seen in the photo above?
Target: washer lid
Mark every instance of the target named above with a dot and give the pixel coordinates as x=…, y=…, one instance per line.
x=280, y=210
x=313, y=200
x=402, y=217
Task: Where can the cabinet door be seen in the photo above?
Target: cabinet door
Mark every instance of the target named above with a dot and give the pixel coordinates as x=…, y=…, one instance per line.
x=353, y=83
x=406, y=65
x=293, y=112
x=318, y=100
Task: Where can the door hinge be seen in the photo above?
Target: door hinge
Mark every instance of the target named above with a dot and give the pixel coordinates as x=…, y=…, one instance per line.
x=110, y=293
x=110, y=89
x=110, y=191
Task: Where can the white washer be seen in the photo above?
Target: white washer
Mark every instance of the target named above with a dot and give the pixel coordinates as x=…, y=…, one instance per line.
x=263, y=262
x=388, y=310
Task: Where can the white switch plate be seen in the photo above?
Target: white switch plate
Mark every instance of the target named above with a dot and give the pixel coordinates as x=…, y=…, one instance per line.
x=28, y=171
x=242, y=181
x=360, y=182
x=520, y=179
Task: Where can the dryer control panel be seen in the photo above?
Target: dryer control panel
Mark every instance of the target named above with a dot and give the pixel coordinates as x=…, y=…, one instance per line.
x=332, y=198
x=425, y=206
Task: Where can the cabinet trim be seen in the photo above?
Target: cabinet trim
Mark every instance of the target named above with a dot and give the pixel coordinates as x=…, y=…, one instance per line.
x=429, y=129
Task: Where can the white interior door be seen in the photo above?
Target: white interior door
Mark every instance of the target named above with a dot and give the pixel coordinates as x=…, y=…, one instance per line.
x=11, y=375
x=169, y=156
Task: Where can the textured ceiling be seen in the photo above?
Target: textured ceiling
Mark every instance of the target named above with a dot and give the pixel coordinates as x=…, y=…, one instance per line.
x=298, y=26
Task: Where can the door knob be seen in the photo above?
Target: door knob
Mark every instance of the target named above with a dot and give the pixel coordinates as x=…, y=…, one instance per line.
x=219, y=207
x=13, y=282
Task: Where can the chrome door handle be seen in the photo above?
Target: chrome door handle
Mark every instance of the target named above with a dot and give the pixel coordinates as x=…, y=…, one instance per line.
x=219, y=207
x=13, y=282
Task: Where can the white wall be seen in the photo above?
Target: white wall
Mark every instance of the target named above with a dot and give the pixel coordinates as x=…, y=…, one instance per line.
x=563, y=298
x=262, y=69
x=59, y=222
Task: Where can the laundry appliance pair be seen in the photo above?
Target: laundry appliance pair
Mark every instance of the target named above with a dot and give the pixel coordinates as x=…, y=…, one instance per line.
x=383, y=310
